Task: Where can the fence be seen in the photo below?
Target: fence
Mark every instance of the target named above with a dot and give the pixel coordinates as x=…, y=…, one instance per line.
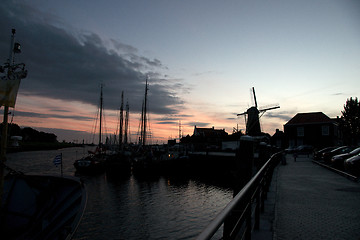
x=245, y=208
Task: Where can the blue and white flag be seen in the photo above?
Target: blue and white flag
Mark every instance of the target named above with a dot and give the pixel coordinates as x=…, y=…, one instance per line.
x=57, y=160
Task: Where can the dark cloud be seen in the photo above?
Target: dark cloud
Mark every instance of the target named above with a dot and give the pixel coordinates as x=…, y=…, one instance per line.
x=60, y=110
x=172, y=119
x=167, y=123
x=69, y=65
x=123, y=47
x=169, y=118
x=40, y=115
x=185, y=116
x=198, y=124
x=284, y=115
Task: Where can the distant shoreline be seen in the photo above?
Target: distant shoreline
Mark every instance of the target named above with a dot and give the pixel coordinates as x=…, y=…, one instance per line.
x=40, y=146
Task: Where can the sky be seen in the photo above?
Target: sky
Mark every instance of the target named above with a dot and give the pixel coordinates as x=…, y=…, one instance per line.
x=201, y=59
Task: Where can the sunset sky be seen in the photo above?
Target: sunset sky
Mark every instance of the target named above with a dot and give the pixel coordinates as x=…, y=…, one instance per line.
x=201, y=59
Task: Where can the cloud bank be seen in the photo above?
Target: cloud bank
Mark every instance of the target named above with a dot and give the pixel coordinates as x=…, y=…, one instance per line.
x=69, y=64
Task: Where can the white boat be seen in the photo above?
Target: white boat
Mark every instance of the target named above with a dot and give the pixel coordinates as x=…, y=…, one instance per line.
x=95, y=162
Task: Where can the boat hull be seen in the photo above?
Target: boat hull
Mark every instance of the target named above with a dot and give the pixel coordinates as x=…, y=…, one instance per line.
x=41, y=207
x=118, y=166
x=90, y=165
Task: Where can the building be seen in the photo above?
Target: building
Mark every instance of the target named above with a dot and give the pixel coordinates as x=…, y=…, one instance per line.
x=278, y=139
x=209, y=132
x=208, y=138
x=314, y=128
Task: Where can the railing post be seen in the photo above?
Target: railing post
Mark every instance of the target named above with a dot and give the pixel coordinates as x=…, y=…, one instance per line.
x=248, y=222
x=265, y=186
x=257, y=209
x=236, y=216
x=262, y=199
x=228, y=224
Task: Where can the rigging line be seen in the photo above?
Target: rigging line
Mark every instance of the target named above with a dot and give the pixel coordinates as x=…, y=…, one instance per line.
x=95, y=125
x=139, y=132
x=104, y=122
x=129, y=132
x=149, y=133
x=117, y=125
x=126, y=123
x=11, y=121
x=12, y=115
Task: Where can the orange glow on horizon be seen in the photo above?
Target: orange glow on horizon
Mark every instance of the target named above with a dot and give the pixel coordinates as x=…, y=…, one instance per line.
x=77, y=116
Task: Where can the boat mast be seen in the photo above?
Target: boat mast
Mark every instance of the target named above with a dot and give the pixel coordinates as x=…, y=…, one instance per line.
x=101, y=108
x=126, y=123
x=144, y=114
x=121, y=121
x=142, y=124
x=12, y=75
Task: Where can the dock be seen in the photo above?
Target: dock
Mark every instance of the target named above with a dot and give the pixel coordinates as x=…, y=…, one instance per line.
x=308, y=201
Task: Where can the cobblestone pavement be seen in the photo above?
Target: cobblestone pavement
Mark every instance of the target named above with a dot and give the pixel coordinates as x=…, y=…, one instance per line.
x=314, y=203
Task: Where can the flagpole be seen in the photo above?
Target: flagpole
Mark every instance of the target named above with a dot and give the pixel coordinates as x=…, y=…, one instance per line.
x=3, y=144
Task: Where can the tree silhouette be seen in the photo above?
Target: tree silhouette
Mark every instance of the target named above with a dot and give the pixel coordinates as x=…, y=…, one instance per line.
x=29, y=134
x=351, y=121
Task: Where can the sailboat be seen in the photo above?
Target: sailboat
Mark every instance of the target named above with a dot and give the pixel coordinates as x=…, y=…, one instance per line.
x=118, y=165
x=95, y=162
x=33, y=206
x=144, y=160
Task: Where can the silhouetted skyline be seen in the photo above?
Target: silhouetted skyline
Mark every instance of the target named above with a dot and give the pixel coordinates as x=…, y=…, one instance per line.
x=201, y=58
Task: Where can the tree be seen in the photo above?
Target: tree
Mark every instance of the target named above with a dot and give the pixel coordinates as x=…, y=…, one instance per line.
x=351, y=121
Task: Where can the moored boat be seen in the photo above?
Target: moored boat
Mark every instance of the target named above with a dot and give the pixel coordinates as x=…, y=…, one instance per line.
x=118, y=165
x=33, y=207
x=95, y=161
x=41, y=207
x=91, y=164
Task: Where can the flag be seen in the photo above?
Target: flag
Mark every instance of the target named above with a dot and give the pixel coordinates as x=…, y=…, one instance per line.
x=57, y=160
x=8, y=92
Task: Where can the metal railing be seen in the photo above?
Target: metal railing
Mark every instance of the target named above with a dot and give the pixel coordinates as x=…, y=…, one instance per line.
x=237, y=216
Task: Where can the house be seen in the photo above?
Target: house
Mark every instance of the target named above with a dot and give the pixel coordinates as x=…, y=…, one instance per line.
x=278, y=139
x=209, y=132
x=314, y=128
x=205, y=138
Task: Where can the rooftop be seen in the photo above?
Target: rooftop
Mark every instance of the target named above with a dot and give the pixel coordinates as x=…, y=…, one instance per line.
x=306, y=118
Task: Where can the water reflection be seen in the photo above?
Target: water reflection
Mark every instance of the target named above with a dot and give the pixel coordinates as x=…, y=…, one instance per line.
x=134, y=208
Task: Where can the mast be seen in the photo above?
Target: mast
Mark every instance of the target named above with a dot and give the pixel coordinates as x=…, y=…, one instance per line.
x=126, y=123
x=144, y=114
x=12, y=78
x=101, y=108
x=141, y=124
x=121, y=120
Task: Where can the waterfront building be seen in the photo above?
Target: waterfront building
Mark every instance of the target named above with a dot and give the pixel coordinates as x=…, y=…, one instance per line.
x=208, y=138
x=278, y=139
x=313, y=128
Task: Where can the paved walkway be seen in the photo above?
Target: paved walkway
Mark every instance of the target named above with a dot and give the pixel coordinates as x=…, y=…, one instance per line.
x=312, y=202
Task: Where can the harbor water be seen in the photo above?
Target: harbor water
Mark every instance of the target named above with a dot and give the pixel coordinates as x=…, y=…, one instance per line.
x=132, y=208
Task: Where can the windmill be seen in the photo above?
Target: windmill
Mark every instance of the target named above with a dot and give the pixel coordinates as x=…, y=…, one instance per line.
x=252, y=122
